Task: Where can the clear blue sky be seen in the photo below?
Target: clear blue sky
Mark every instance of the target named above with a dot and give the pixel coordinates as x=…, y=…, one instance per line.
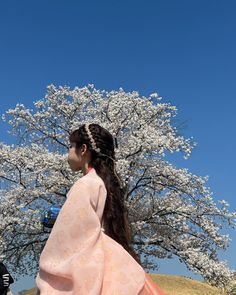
x=184, y=50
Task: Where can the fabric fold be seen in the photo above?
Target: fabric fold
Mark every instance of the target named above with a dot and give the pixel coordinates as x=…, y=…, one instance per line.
x=78, y=257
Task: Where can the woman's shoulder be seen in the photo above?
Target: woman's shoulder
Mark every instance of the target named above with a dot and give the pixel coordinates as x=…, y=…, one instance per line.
x=91, y=185
x=90, y=180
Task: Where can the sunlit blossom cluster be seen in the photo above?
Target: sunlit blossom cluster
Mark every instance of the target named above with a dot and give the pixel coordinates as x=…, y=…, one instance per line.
x=171, y=211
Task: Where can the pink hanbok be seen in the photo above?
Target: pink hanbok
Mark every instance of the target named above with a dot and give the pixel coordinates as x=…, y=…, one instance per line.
x=80, y=259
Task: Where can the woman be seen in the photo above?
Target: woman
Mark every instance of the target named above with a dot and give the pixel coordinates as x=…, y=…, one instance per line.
x=89, y=249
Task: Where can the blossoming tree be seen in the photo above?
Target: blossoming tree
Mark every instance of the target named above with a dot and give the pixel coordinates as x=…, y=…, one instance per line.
x=171, y=211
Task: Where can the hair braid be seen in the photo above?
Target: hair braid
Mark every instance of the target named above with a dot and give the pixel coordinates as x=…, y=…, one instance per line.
x=115, y=216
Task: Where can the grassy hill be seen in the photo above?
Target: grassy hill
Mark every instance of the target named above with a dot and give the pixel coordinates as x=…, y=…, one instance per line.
x=178, y=285
x=174, y=285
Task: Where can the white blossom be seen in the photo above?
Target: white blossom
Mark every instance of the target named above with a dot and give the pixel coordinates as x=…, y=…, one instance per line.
x=171, y=211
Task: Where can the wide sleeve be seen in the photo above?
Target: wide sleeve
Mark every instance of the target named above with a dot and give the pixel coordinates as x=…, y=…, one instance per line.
x=73, y=259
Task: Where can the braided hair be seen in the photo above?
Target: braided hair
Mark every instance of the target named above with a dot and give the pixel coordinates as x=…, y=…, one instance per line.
x=115, y=216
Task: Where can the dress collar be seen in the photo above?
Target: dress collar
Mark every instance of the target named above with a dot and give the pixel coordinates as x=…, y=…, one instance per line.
x=90, y=169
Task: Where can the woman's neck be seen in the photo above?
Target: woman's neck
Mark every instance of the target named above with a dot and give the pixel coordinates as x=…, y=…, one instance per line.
x=89, y=169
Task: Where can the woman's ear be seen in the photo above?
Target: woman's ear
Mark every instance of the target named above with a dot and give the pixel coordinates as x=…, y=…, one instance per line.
x=84, y=148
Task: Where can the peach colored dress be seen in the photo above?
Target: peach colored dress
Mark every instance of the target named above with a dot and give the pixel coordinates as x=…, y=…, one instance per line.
x=80, y=259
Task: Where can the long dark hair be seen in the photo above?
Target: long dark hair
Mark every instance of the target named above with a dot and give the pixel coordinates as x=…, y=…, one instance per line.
x=115, y=215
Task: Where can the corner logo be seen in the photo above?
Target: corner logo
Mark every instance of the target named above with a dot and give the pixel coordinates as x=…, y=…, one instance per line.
x=6, y=279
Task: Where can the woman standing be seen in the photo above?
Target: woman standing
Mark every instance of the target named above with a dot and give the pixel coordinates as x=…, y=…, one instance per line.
x=89, y=249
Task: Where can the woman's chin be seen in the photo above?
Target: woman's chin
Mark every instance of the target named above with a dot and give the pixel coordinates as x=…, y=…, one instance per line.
x=75, y=169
